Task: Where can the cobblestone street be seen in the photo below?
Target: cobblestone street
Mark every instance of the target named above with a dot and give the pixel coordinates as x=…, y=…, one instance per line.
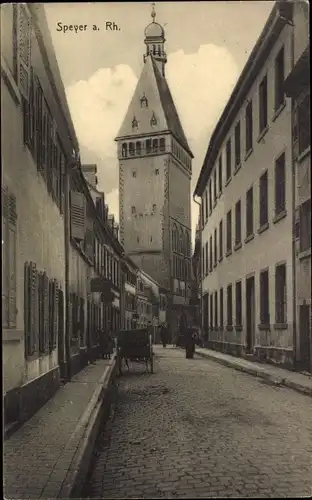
x=199, y=429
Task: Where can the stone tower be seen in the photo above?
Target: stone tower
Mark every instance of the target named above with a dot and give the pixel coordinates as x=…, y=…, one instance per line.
x=155, y=168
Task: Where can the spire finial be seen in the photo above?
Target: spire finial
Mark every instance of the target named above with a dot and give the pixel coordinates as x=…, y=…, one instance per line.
x=153, y=14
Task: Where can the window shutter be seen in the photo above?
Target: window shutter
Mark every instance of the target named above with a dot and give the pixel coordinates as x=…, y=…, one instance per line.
x=51, y=314
x=27, y=334
x=70, y=318
x=55, y=315
x=33, y=308
x=23, y=50
x=39, y=125
x=78, y=215
x=41, y=311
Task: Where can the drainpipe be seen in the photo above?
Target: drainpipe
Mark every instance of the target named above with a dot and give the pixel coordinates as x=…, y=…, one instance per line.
x=200, y=266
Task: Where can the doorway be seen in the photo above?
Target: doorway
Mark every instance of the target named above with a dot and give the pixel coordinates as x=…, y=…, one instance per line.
x=305, y=338
x=250, y=313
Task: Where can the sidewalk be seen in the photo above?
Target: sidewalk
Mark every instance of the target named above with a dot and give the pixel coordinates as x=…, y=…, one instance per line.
x=49, y=455
x=275, y=375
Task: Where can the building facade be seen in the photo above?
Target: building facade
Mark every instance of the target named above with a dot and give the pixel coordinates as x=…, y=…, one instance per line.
x=245, y=187
x=37, y=143
x=155, y=167
x=297, y=87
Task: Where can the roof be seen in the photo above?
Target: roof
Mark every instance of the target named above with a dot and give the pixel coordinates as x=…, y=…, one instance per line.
x=169, y=108
x=154, y=87
x=280, y=15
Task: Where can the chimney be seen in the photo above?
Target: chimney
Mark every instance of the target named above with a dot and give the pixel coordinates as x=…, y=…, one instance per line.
x=89, y=171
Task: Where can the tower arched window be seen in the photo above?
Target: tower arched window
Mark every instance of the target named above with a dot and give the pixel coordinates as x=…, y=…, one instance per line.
x=124, y=150
x=174, y=238
x=148, y=145
x=159, y=50
x=154, y=49
x=162, y=145
x=181, y=241
x=155, y=145
x=187, y=245
x=131, y=148
x=138, y=148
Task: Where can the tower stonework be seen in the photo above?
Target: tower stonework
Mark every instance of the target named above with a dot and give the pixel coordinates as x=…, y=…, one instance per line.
x=155, y=168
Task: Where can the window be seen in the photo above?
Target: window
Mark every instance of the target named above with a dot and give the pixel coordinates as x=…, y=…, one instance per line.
x=215, y=248
x=206, y=261
x=135, y=123
x=229, y=306
x=228, y=160
x=249, y=131
x=279, y=79
x=263, y=104
x=124, y=150
x=162, y=145
x=133, y=210
x=156, y=171
x=205, y=312
x=144, y=102
x=304, y=120
x=280, y=187
x=134, y=173
x=229, y=231
x=220, y=174
x=221, y=308
x=148, y=146
x=221, y=240
x=138, y=148
x=263, y=195
x=238, y=223
x=154, y=207
x=305, y=226
x=211, y=254
x=153, y=120
x=210, y=196
x=238, y=303
x=264, y=298
x=206, y=204
x=216, y=309
x=211, y=311
x=280, y=294
x=155, y=145
x=249, y=213
x=237, y=145
x=215, y=185
x=131, y=148
x=9, y=218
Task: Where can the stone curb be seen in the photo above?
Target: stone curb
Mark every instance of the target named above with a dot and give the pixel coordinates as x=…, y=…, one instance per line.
x=87, y=431
x=274, y=380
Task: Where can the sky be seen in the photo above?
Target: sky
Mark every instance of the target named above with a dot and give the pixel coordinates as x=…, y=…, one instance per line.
x=207, y=45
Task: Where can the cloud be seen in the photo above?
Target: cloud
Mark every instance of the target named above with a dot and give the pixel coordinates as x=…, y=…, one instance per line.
x=200, y=83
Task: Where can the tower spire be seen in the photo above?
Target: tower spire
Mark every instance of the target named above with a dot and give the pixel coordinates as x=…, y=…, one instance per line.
x=153, y=14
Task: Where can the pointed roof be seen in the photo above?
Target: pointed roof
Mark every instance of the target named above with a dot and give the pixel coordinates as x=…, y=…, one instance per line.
x=154, y=87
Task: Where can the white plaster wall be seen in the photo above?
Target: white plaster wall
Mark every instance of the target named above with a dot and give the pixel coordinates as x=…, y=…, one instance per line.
x=274, y=245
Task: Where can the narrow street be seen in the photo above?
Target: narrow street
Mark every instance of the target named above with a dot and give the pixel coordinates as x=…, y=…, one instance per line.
x=198, y=429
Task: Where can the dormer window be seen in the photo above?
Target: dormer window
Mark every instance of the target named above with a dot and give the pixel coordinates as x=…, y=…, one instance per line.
x=134, y=173
x=133, y=210
x=144, y=101
x=135, y=123
x=153, y=120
